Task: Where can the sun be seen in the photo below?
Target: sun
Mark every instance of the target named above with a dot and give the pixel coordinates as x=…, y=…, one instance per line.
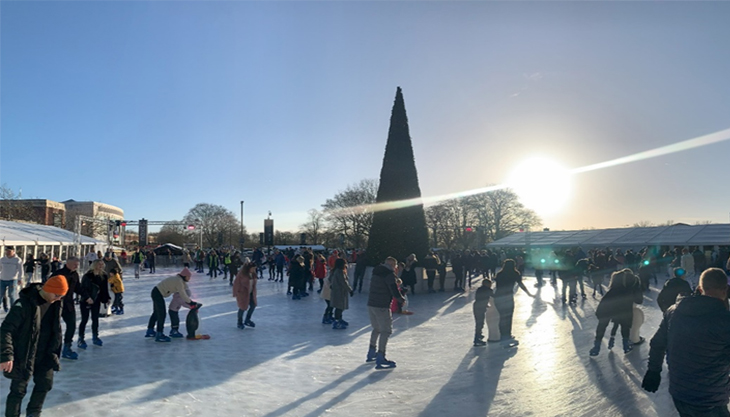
x=542, y=184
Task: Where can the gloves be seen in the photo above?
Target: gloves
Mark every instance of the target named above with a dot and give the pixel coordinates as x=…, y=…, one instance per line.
x=194, y=305
x=651, y=381
x=352, y=293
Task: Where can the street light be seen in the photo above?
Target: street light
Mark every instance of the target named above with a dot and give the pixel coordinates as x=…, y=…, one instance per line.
x=240, y=240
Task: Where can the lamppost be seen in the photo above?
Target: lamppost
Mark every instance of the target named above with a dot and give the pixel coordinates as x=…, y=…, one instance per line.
x=240, y=240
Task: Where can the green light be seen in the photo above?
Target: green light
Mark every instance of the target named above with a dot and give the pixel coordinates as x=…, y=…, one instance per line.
x=646, y=262
x=542, y=261
x=557, y=261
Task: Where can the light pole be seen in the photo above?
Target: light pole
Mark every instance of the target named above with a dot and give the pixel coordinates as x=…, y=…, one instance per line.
x=240, y=240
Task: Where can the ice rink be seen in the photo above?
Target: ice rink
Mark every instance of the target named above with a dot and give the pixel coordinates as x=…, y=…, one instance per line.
x=292, y=365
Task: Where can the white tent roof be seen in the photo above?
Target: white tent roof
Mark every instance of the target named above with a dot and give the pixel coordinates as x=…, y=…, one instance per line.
x=675, y=235
x=18, y=234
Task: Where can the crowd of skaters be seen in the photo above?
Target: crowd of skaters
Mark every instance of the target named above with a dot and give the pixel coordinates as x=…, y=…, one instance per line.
x=628, y=272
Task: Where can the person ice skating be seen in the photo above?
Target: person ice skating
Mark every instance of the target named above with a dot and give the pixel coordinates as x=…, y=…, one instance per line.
x=327, y=318
x=192, y=320
x=397, y=305
x=618, y=306
x=90, y=257
x=297, y=278
x=137, y=260
x=382, y=290
x=30, y=343
x=695, y=336
x=213, y=264
x=280, y=260
x=45, y=264
x=673, y=288
x=94, y=291
x=360, y=268
x=117, y=286
x=244, y=289
x=409, y=272
x=431, y=263
x=320, y=270
x=166, y=287
x=341, y=292
x=504, y=301
x=68, y=309
x=150, y=259
x=11, y=272
x=481, y=303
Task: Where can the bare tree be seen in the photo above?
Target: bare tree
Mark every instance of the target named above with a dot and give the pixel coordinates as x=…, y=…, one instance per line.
x=314, y=226
x=644, y=223
x=11, y=208
x=173, y=233
x=348, y=212
x=218, y=225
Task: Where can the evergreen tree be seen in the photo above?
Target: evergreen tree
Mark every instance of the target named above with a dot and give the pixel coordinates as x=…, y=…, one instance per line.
x=402, y=231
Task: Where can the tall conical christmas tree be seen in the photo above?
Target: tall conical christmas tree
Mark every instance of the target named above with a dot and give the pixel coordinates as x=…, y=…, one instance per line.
x=398, y=232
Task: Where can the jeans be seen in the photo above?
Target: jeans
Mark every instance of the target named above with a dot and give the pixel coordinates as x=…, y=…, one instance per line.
x=603, y=324
x=382, y=321
x=689, y=410
x=87, y=309
x=251, y=308
x=328, y=310
x=137, y=267
x=479, y=317
x=118, y=300
x=43, y=382
x=10, y=285
x=151, y=264
x=159, y=314
x=69, y=317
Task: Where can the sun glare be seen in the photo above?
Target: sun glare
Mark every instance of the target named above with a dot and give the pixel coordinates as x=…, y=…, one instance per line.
x=542, y=184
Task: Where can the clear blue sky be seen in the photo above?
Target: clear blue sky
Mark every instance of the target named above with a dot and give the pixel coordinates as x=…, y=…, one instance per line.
x=157, y=106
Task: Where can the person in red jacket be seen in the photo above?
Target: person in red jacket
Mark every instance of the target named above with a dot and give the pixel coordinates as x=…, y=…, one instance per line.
x=320, y=270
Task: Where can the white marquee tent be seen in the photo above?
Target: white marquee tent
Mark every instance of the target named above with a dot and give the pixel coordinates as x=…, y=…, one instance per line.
x=631, y=237
x=36, y=239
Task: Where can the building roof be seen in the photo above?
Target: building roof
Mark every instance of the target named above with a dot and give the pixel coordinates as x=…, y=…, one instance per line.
x=15, y=233
x=675, y=235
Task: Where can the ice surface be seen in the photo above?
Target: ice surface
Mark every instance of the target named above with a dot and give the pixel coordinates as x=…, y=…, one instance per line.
x=292, y=365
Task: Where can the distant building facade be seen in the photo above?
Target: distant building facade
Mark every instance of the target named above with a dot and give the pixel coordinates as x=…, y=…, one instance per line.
x=92, y=209
x=38, y=211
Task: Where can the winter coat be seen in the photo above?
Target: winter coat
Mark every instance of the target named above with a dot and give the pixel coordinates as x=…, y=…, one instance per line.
x=409, y=275
x=213, y=261
x=187, y=259
x=115, y=281
x=174, y=284
x=618, y=303
x=688, y=263
x=177, y=302
x=383, y=288
x=296, y=275
x=244, y=287
x=95, y=287
x=481, y=299
x=72, y=279
x=110, y=264
x=137, y=258
x=320, y=269
x=430, y=262
x=672, y=289
x=29, y=340
x=695, y=334
x=45, y=266
x=341, y=289
x=326, y=288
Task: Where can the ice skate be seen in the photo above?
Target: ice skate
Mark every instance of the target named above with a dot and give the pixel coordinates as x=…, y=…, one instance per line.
x=175, y=333
x=326, y=319
x=596, y=348
x=97, y=341
x=160, y=337
x=249, y=323
x=382, y=363
x=628, y=347
x=611, y=342
x=150, y=333
x=372, y=355
x=68, y=353
x=82, y=344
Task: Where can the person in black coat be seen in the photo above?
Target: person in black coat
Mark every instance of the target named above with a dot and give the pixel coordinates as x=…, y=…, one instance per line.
x=408, y=276
x=481, y=302
x=297, y=280
x=695, y=336
x=68, y=310
x=672, y=289
x=30, y=342
x=618, y=306
x=504, y=301
x=94, y=291
x=45, y=264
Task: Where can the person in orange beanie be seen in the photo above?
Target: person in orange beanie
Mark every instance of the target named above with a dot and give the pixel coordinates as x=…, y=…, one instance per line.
x=21, y=354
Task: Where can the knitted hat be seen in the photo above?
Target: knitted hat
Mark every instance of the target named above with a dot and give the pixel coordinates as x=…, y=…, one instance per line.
x=56, y=285
x=186, y=273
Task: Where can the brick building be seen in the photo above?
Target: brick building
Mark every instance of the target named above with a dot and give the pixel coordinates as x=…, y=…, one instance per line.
x=38, y=211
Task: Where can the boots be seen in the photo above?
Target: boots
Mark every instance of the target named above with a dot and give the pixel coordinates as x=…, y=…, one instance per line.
x=628, y=347
x=175, y=333
x=150, y=333
x=339, y=325
x=160, y=337
x=68, y=353
x=382, y=363
x=611, y=342
x=120, y=311
x=596, y=348
x=327, y=319
x=372, y=354
x=479, y=340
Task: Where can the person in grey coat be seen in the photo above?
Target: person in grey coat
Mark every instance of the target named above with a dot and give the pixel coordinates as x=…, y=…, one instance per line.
x=341, y=291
